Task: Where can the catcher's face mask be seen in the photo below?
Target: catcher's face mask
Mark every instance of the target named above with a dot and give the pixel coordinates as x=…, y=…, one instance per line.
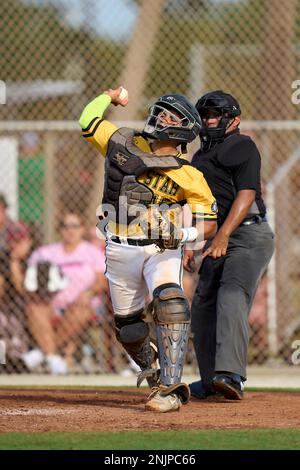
x=161, y=120
x=167, y=118
x=173, y=118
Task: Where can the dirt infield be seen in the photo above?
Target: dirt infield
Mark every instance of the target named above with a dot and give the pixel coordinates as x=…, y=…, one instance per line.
x=123, y=410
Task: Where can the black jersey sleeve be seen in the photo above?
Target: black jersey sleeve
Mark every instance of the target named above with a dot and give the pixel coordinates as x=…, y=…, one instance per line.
x=243, y=160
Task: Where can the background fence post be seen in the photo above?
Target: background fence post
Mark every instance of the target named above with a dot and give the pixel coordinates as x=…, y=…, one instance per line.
x=50, y=188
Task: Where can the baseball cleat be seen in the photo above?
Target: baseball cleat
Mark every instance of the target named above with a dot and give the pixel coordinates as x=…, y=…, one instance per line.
x=229, y=385
x=162, y=403
x=200, y=391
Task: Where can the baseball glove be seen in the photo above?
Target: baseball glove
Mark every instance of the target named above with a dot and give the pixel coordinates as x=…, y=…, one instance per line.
x=158, y=228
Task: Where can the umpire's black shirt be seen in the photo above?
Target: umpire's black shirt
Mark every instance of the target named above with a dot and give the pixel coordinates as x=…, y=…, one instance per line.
x=228, y=167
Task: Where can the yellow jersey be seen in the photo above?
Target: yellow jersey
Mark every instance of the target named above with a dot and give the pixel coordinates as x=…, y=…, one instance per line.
x=179, y=185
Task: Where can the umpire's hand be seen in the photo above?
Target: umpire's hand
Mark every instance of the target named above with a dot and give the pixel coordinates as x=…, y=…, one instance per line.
x=218, y=247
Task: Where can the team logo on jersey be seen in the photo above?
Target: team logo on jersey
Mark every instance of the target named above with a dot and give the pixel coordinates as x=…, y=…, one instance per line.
x=214, y=207
x=120, y=158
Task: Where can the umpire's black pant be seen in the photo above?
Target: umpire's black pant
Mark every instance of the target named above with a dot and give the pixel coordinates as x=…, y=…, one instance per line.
x=223, y=299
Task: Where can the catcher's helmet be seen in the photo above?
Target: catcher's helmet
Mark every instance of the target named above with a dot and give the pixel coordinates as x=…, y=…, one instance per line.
x=225, y=105
x=189, y=122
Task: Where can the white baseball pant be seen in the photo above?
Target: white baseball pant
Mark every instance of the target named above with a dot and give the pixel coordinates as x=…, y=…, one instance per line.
x=134, y=272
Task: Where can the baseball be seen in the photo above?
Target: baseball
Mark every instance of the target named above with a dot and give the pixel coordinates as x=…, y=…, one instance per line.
x=123, y=94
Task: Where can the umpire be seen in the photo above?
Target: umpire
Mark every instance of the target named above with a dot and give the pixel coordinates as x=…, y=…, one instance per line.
x=235, y=259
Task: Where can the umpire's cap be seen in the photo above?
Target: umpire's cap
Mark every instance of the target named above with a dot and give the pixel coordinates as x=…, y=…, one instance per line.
x=218, y=100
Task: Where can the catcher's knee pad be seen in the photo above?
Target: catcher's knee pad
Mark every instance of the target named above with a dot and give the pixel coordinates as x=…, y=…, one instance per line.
x=170, y=304
x=172, y=318
x=131, y=329
x=133, y=334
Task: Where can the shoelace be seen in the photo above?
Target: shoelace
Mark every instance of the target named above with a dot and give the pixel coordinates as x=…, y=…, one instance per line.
x=153, y=392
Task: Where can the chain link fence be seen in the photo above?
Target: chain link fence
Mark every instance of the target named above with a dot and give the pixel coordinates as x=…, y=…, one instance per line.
x=56, y=55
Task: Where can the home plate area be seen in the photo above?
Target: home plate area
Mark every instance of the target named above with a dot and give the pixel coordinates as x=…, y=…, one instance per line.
x=123, y=410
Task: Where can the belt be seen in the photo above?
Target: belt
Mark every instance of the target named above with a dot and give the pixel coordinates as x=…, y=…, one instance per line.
x=132, y=241
x=256, y=219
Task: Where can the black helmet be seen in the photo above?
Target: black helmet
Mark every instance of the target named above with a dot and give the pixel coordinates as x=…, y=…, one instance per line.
x=190, y=122
x=222, y=103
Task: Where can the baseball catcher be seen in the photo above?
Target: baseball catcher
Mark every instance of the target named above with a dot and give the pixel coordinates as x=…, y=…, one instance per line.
x=147, y=181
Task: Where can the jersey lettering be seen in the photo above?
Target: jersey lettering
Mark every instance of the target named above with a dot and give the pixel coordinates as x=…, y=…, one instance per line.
x=161, y=183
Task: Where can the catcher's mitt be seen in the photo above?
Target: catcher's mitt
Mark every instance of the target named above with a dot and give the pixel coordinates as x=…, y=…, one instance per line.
x=158, y=228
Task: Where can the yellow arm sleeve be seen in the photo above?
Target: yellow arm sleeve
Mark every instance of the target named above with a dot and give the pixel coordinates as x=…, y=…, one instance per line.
x=95, y=109
x=94, y=129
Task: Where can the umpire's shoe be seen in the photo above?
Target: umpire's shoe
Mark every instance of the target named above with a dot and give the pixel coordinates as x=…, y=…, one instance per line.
x=201, y=391
x=168, y=398
x=230, y=385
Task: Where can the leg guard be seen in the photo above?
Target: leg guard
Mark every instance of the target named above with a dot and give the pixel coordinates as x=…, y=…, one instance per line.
x=172, y=318
x=133, y=333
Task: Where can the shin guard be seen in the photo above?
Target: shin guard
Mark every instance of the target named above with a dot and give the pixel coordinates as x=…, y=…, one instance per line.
x=172, y=318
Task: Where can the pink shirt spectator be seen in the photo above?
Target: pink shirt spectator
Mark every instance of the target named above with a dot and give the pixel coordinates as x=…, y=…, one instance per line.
x=79, y=267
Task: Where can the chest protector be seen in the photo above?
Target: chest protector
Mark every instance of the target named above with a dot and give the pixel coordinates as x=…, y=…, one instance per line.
x=124, y=163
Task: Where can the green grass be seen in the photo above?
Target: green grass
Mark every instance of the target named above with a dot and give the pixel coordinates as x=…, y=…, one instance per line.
x=243, y=439
x=246, y=439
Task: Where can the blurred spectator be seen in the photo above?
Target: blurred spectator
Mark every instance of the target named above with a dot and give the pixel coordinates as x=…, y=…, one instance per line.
x=94, y=236
x=31, y=179
x=4, y=222
x=56, y=320
x=109, y=353
x=13, y=262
